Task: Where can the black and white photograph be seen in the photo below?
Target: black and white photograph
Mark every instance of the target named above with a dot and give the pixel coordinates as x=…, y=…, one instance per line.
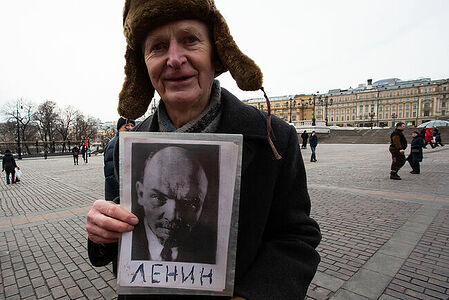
x=183, y=193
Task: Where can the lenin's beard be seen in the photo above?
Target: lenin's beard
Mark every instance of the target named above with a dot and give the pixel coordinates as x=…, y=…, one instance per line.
x=172, y=233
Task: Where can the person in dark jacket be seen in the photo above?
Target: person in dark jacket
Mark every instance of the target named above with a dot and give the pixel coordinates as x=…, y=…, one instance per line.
x=111, y=186
x=313, y=143
x=398, y=144
x=177, y=48
x=75, y=153
x=437, y=135
x=304, y=137
x=415, y=156
x=9, y=166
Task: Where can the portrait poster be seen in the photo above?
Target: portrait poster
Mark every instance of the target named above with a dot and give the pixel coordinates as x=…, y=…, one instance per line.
x=184, y=189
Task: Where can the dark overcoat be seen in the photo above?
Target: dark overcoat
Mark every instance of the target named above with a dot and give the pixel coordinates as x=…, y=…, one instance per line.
x=276, y=256
x=111, y=186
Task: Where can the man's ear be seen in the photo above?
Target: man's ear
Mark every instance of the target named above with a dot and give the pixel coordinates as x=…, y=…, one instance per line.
x=139, y=189
x=219, y=69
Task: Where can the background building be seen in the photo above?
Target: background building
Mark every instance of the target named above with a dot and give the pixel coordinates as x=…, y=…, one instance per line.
x=381, y=103
x=290, y=108
x=387, y=101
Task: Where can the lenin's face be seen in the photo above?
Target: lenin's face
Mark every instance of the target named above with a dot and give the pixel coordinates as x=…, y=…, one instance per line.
x=172, y=194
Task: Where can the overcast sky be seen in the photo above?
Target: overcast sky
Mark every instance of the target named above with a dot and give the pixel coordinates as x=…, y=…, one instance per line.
x=71, y=52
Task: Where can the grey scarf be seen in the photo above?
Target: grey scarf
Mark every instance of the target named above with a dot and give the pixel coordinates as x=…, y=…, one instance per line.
x=207, y=121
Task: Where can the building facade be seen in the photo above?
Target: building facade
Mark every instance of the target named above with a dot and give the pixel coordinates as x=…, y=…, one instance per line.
x=382, y=103
x=385, y=102
x=290, y=108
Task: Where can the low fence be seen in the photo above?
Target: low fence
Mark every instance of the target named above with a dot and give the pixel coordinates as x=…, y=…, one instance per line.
x=38, y=148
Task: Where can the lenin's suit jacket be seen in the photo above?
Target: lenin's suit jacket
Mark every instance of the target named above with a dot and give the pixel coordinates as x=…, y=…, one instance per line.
x=276, y=256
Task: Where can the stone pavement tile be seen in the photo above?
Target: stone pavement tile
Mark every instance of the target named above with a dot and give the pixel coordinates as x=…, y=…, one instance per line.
x=405, y=236
x=328, y=282
x=384, y=264
x=415, y=227
x=397, y=249
x=58, y=292
x=348, y=295
x=368, y=283
x=75, y=292
x=92, y=293
x=26, y=291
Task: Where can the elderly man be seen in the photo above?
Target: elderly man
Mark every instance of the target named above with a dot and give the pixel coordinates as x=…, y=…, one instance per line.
x=172, y=193
x=177, y=48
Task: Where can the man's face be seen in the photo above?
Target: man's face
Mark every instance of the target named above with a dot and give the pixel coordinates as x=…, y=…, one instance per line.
x=172, y=194
x=402, y=127
x=126, y=127
x=179, y=60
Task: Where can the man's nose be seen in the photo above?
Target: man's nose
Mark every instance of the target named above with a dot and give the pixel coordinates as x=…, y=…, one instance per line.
x=176, y=55
x=170, y=212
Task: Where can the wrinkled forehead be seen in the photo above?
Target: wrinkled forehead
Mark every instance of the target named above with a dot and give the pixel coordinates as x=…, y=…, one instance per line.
x=174, y=170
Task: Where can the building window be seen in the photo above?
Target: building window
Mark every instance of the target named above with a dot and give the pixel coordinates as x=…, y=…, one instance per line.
x=353, y=117
x=407, y=114
x=386, y=115
x=400, y=114
x=380, y=116
x=414, y=114
x=380, y=108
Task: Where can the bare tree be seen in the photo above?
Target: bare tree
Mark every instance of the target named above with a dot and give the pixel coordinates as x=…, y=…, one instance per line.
x=65, y=120
x=84, y=128
x=46, y=116
x=21, y=112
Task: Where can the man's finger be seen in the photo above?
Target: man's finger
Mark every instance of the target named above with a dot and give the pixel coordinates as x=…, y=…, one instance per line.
x=115, y=211
x=109, y=223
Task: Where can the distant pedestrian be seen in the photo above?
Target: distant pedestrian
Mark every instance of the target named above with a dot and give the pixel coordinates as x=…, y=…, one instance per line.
x=415, y=156
x=437, y=135
x=429, y=137
x=75, y=153
x=398, y=144
x=9, y=165
x=84, y=153
x=304, y=137
x=313, y=140
x=111, y=186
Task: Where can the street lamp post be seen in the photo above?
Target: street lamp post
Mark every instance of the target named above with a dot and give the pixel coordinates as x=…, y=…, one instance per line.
x=326, y=102
x=294, y=105
x=313, y=112
x=371, y=115
x=393, y=116
x=19, y=150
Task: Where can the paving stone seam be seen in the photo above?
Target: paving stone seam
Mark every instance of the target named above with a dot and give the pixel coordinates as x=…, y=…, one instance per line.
x=430, y=213
x=390, y=195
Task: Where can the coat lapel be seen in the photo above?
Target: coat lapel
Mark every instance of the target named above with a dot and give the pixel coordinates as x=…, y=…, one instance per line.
x=238, y=118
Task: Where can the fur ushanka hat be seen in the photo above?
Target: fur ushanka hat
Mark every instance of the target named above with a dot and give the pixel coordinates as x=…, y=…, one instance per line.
x=142, y=16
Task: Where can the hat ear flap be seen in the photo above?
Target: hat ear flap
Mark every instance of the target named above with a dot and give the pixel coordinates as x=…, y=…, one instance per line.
x=242, y=68
x=137, y=91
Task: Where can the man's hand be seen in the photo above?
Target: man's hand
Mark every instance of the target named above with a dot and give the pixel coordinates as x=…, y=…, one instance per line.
x=402, y=151
x=106, y=221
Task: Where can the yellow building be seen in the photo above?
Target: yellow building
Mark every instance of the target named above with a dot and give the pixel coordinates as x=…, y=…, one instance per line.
x=385, y=102
x=290, y=108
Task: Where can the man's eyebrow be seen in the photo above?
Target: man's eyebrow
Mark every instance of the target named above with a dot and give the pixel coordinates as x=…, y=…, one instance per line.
x=159, y=193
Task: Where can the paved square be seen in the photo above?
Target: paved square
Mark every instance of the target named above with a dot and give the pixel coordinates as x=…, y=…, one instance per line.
x=382, y=239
